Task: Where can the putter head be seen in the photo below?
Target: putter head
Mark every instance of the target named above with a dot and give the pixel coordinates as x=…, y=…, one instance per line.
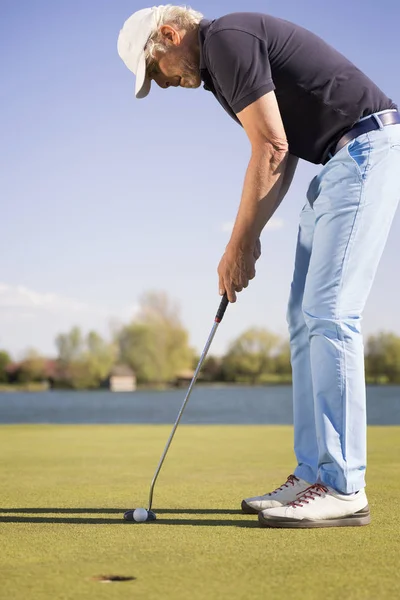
x=128, y=516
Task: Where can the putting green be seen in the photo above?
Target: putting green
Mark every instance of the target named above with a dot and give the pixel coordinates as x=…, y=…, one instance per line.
x=64, y=489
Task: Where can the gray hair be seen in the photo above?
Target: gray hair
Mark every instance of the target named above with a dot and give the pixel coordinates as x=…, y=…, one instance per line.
x=184, y=17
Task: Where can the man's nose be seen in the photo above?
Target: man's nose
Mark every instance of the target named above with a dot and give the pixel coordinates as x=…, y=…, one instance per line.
x=166, y=84
x=163, y=84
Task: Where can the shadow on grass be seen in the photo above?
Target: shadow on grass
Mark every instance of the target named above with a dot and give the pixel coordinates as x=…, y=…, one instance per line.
x=98, y=521
x=161, y=511
x=77, y=520
x=10, y=516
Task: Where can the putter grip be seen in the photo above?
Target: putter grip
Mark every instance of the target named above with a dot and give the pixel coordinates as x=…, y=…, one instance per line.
x=222, y=308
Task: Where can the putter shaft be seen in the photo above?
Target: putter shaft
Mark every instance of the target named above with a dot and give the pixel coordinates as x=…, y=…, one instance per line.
x=218, y=319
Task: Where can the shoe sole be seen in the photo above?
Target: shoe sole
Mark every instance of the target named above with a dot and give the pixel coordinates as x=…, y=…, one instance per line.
x=362, y=517
x=249, y=510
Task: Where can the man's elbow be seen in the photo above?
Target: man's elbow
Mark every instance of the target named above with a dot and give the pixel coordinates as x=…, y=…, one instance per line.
x=274, y=151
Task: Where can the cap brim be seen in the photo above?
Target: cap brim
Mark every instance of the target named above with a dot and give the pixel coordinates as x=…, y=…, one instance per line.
x=143, y=83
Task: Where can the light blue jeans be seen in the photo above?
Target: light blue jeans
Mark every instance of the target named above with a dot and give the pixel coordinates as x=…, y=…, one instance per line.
x=343, y=231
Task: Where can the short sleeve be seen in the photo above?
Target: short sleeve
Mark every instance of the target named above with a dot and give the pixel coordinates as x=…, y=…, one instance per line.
x=239, y=63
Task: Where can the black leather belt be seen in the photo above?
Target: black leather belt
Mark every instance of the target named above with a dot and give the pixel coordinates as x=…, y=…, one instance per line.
x=370, y=124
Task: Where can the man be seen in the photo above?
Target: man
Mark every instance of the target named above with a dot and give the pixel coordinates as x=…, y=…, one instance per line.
x=296, y=97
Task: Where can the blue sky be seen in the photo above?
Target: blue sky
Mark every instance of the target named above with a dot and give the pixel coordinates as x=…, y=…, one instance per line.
x=104, y=197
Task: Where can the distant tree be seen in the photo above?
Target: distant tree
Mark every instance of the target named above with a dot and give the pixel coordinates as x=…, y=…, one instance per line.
x=83, y=362
x=382, y=358
x=79, y=377
x=99, y=357
x=281, y=361
x=156, y=344
x=212, y=369
x=250, y=356
x=70, y=345
x=157, y=307
x=31, y=369
x=5, y=361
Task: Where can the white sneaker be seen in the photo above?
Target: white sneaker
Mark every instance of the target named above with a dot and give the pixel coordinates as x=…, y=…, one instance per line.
x=282, y=495
x=319, y=506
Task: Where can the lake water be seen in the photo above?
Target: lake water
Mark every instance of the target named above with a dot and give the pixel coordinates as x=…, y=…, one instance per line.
x=207, y=405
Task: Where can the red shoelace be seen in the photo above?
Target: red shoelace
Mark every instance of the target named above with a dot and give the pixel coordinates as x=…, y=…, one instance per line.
x=291, y=480
x=316, y=490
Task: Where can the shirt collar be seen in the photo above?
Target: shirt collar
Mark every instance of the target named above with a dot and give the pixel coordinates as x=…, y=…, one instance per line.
x=204, y=26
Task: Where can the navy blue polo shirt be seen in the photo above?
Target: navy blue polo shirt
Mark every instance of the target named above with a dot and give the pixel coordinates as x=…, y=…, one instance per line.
x=320, y=93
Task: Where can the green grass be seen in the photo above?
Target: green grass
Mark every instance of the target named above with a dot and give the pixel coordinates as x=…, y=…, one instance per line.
x=64, y=489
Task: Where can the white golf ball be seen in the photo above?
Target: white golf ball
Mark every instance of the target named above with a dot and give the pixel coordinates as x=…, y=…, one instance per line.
x=140, y=515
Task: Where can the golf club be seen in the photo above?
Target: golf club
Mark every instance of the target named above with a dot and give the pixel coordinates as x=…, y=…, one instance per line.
x=140, y=515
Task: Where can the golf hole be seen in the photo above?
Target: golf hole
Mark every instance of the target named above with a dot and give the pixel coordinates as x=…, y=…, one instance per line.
x=112, y=578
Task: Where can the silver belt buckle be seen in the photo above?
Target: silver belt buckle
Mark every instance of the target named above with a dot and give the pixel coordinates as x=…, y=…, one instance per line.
x=378, y=121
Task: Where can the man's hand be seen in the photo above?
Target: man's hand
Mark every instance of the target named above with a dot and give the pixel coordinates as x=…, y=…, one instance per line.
x=236, y=269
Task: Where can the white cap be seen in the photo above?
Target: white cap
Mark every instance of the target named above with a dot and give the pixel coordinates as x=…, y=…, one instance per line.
x=132, y=40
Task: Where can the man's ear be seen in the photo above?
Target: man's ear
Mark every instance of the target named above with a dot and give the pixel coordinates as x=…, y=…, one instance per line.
x=171, y=34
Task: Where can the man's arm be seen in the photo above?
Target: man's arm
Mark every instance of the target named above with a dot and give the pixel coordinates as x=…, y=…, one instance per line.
x=290, y=169
x=270, y=171
x=268, y=177
x=288, y=175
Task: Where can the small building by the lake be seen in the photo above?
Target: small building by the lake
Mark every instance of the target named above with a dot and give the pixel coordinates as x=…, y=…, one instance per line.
x=183, y=378
x=122, y=379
